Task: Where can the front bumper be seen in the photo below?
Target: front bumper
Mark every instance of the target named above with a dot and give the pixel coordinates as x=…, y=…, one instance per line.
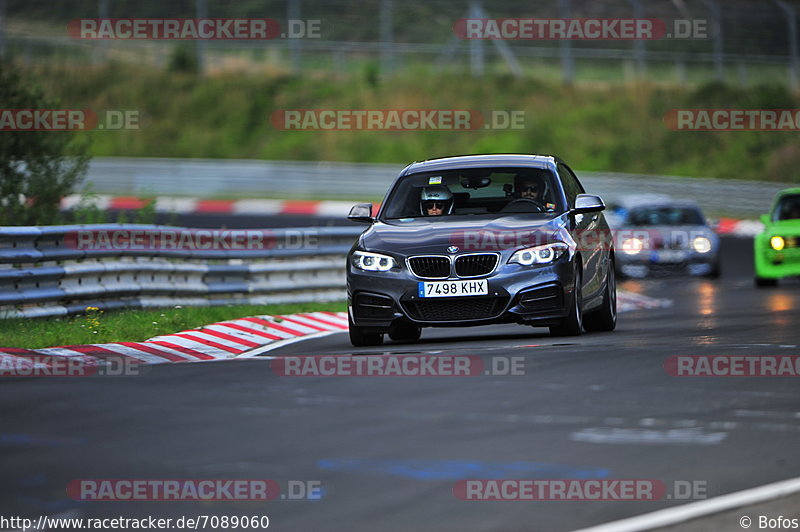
x=682, y=261
x=537, y=295
x=772, y=264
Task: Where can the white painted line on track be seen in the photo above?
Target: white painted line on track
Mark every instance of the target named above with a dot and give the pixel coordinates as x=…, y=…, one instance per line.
x=687, y=512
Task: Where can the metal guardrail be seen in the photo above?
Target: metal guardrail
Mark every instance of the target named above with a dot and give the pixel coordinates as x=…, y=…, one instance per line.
x=354, y=181
x=43, y=272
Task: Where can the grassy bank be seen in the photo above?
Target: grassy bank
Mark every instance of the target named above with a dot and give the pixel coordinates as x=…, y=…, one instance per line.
x=134, y=325
x=596, y=128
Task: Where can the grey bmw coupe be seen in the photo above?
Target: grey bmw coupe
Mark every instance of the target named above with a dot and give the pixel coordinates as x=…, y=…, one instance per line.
x=477, y=240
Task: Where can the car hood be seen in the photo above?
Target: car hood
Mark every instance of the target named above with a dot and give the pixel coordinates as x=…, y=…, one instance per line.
x=468, y=233
x=784, y=227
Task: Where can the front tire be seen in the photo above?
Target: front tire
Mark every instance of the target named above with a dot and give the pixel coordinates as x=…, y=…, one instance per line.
x=573, y=323
x=360, y=338
x=604, y=319
x=762, y=282
x=716, y=271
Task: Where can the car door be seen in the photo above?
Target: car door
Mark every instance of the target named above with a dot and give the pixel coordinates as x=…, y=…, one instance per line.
x=587, y=233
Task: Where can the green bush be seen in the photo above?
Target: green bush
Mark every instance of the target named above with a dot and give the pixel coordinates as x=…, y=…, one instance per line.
x=595, y=127
x=37, y=168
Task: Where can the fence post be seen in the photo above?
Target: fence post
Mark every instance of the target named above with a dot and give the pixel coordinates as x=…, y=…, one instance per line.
x=2, y=29
x=504, y=50
x=719, y=72
x=565, y=46
x=475, y=45
x=201, y=11
x=791, y=20
x=638, y=44
x=387, y=36
x=293, y=13
x=100, y=48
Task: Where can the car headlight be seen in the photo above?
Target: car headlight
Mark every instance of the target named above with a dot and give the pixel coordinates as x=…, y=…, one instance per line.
x=372, y=262
x=539, y=254
x=701, y=244
x=777, y=243
x=632, y=246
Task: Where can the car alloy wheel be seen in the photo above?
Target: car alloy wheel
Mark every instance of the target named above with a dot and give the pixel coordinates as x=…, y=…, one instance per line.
x=605, y=319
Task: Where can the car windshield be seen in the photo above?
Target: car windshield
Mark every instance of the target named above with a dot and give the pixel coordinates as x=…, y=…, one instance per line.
x=665, y=216
x=480, y=191
x=788, y=208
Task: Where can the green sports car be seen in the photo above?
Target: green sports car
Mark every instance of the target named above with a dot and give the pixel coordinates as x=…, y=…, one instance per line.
x=777, y=248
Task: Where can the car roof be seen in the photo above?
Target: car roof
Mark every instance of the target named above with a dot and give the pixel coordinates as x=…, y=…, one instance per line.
x=481, y=161
x=789, y=191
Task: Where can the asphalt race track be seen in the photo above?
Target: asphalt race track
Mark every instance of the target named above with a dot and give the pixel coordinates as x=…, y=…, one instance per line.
x=388, y=450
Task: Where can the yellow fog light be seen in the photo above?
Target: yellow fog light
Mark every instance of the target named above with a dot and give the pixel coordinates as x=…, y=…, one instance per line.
x=777, y=243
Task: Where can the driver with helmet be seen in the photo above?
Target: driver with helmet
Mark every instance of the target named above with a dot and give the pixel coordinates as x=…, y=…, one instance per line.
x=436, y=201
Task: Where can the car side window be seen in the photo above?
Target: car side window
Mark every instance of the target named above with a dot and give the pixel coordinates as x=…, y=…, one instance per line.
x=572, y=186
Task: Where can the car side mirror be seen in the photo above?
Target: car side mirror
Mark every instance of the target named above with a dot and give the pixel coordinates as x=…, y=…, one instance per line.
x=588, y=203
x=764, y=218
x=361, y=213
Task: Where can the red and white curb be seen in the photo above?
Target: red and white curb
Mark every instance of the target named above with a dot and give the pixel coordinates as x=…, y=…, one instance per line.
x=731, y=226
x=218, y=341
x=212, y=206
x=242, y=338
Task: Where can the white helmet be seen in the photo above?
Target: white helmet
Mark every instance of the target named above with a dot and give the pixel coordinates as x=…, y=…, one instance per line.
x=438, y=193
